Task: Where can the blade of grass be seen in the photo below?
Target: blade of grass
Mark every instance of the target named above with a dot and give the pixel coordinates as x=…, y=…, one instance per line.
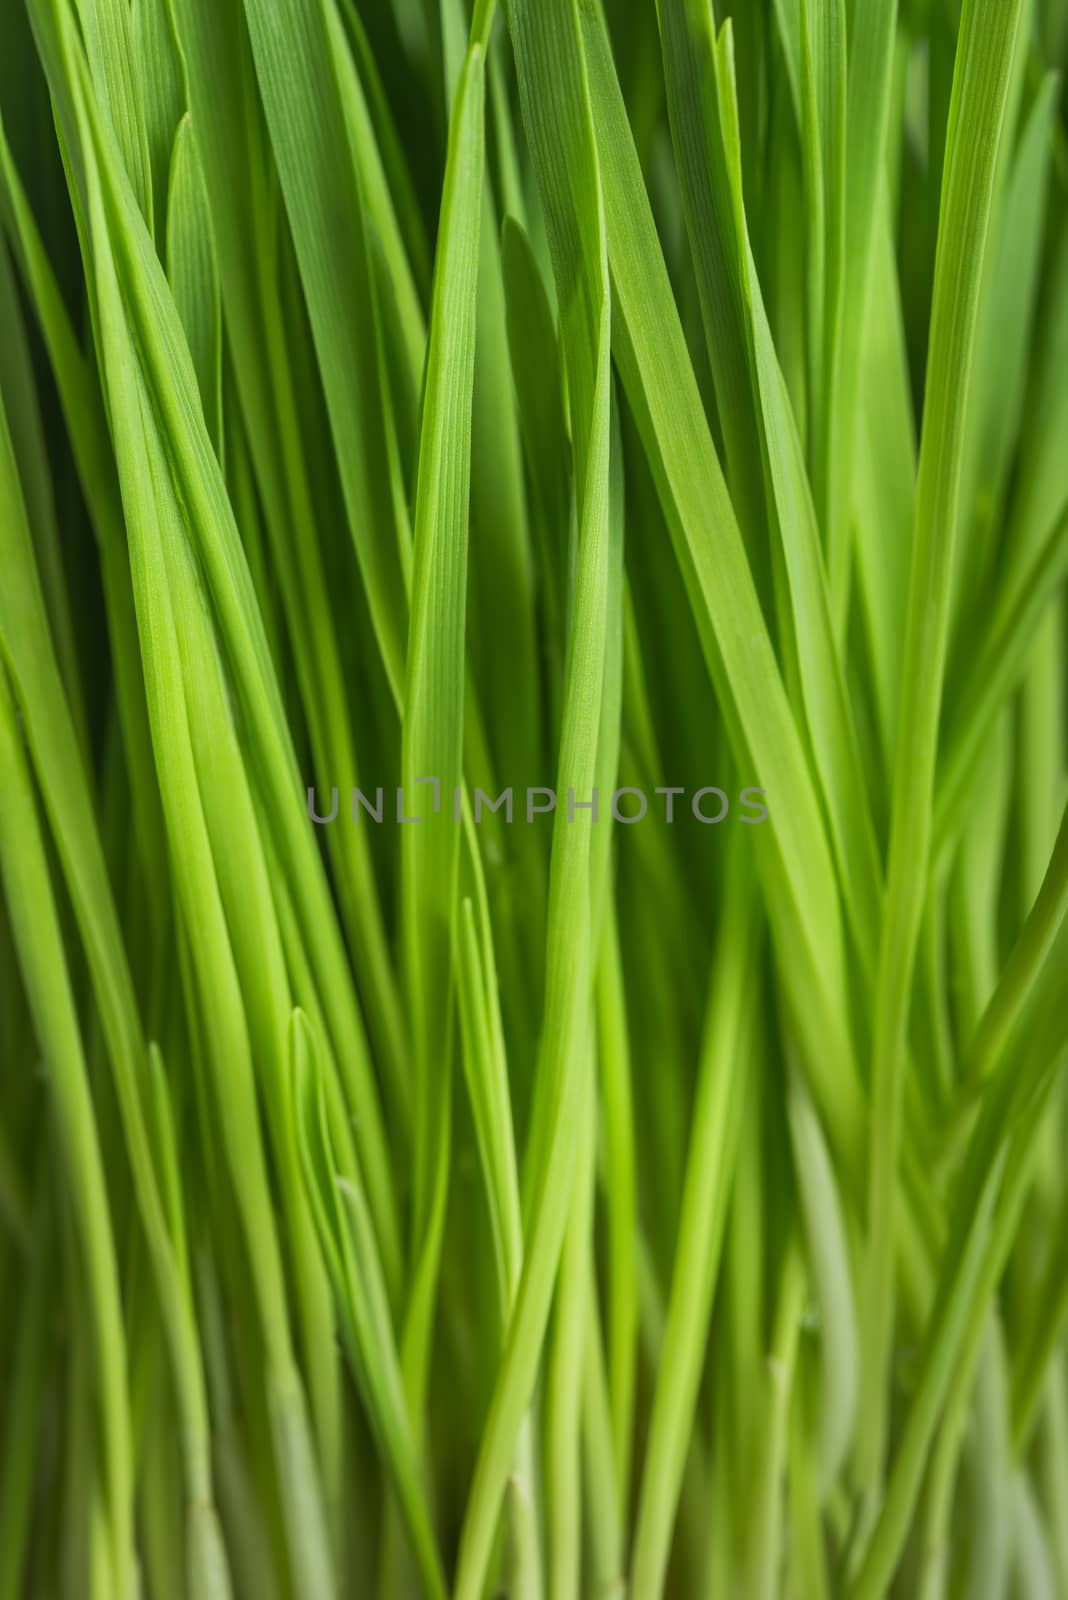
x=1032, y=565
x=977, y=887
x=554, y=98
x=536, y=367
x=709, y=1168
x=884, y=478
x=1027, y=961
x=30, y=902
x=823, y=159
x=153, y=517
x=566, y=1529
x=27, y=648
x=620, y=1189
x=831, y=1277
x=108, y=30
x=486, y=1072
x=343, y=1224
x=984, y=63
x=993, y=674
x=29, y=1370
x=161, y=95
x=827, y=707
x=986, y=1212
x=260, y=965
x=403, y=321
x=1003, y=343
x=83, y=411
x=687, y=41
x=387, y=136
x=164, y=367
x=659, y=381
x=20, y=397
x=859, y=119
x=298, y=81
x=432, y=732
x=192, y=274
x=607, y=1515
x=235, y=159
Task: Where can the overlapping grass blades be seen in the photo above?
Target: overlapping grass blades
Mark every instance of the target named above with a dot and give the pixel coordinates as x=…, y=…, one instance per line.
x=447, y=451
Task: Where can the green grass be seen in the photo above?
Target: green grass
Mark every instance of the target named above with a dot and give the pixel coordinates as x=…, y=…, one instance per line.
x=409, y=404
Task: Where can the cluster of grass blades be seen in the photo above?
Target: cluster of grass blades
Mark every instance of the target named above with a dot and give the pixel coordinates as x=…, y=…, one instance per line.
x=533, y=764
